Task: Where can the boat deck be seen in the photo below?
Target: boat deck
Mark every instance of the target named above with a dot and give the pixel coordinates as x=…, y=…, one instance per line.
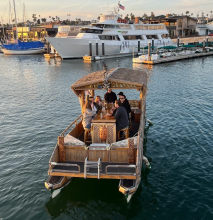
x=107, y=170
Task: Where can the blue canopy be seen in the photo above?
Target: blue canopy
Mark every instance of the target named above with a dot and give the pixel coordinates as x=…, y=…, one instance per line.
x=24, y=45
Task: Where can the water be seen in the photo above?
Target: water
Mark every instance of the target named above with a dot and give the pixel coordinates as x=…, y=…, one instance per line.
x=36, y=104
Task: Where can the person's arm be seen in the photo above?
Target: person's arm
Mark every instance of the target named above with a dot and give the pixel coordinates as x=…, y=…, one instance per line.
x=89, y=112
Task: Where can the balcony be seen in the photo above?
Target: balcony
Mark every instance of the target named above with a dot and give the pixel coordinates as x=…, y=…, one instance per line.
x=171, y=27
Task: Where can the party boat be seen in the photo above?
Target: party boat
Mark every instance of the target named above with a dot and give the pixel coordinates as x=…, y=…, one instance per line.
x=97, y=152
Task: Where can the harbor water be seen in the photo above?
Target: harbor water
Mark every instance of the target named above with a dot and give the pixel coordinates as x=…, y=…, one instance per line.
x=37, y=104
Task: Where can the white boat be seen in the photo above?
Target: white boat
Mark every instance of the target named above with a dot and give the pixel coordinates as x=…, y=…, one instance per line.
x=186, y=52
x=142, y=58
x=22, y=52
x=115, y=36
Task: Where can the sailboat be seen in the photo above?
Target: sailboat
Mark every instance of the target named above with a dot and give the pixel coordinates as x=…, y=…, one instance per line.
x=22, y=48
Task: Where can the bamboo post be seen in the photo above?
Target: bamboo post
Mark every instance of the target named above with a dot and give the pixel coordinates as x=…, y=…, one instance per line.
x=81, y=100
x=61, y=148
x=131, y=151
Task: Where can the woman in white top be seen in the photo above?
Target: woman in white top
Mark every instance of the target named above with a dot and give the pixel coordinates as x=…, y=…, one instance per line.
x=88, y=114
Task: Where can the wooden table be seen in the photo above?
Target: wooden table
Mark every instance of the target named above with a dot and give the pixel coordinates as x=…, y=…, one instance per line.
x=103, y=118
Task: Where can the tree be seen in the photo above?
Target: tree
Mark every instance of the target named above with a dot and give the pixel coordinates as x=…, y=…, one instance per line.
x=191, y=14
x=53, y=18
x=38, y=21
x=187, y=12
x=127, y=17
x=132, y=16
x=145, y=16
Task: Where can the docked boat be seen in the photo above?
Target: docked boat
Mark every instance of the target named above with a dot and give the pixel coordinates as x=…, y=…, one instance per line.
x=23, y=48
x=145, y=57
x=96, y=152
x=117, y=37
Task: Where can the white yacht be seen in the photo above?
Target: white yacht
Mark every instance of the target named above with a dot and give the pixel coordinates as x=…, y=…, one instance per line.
x=117, y=38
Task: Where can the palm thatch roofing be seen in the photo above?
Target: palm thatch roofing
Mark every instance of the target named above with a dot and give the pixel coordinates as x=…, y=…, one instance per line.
x=116, y=78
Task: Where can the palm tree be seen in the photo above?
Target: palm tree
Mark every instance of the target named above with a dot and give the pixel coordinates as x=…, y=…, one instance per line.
x=191, y=14
x=187, y=12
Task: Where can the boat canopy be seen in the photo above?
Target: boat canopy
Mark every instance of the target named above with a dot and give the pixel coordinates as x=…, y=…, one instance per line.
x=24, y=45
x=168, y=47
x=117, y=78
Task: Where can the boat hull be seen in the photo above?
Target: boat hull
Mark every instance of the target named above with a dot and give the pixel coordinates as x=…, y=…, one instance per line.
x=22, y=52
x=78, y=48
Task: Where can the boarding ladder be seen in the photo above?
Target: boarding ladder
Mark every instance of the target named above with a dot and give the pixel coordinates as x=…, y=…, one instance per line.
x=92, y=164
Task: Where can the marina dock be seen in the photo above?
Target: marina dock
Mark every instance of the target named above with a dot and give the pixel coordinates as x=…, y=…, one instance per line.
x=176, y=58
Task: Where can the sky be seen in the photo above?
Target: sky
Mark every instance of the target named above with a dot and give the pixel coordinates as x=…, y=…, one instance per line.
x=91, y=9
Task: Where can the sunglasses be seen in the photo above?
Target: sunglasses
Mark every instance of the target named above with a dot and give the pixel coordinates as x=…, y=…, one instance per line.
x=121, y=98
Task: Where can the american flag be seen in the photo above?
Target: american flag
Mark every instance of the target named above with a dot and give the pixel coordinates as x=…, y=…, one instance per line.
x=121, y=6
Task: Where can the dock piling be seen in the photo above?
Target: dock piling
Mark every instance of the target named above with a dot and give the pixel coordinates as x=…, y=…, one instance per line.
x=48, y=47
x=103, y=52
x=96, y=48
x=149, y=51
x=139, y=45
x=153, y=43
x=178, y=42
x=90, y=48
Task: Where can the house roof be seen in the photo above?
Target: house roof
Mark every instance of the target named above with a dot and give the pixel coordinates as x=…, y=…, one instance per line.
x=117, y=78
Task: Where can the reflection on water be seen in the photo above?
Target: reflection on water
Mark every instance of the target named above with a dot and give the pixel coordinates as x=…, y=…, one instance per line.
x=37, y=104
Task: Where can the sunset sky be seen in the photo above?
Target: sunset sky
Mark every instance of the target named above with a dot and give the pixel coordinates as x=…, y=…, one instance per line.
x=91, y=9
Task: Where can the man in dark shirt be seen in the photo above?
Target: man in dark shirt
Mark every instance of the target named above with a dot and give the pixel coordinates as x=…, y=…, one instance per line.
x=121, y=116
x=125, y=104
x=110, y=96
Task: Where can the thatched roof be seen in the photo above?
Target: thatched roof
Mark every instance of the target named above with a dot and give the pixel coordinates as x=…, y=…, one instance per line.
x=125, y=76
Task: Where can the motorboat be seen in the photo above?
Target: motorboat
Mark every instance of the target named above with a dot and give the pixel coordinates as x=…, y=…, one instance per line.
x=111, y=35
x=100, y=152
x=142, y=58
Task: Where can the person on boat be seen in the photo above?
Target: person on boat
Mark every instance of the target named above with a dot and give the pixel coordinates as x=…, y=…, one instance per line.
x=95, y=104
x=110, y=96
x=121, y=116
x=89, y=112
x=125, y=103
x=99, y=101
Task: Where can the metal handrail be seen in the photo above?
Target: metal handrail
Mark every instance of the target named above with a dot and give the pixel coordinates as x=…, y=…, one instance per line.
x=74, y=122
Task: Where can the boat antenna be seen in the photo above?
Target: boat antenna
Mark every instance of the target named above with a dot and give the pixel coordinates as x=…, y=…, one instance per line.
x=15, y=19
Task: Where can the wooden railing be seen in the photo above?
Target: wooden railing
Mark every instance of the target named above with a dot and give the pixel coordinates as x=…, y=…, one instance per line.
x=73, y=123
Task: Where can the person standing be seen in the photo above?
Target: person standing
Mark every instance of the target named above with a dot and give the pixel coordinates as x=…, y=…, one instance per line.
x=110, y=96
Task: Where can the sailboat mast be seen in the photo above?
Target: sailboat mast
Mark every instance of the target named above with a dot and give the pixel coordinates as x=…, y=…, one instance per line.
x=15, y=19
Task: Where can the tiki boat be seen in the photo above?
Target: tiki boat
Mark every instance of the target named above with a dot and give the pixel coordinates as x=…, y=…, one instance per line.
x=95, y=152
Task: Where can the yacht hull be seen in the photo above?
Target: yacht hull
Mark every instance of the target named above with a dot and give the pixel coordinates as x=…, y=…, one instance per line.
x=22, y=52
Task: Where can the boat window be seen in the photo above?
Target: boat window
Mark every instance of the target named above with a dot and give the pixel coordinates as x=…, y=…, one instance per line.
x=109, y=37
x=153, y=27
x=132, y=37
x=125, y=26
x=160, y=27
x=138, y=27
x=152, y=36
x=164, y=35
x=145, y=27
x=98, y=25
x=88, y=30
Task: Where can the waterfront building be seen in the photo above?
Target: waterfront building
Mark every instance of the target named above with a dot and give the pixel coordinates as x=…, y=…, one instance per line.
x=177, y=26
